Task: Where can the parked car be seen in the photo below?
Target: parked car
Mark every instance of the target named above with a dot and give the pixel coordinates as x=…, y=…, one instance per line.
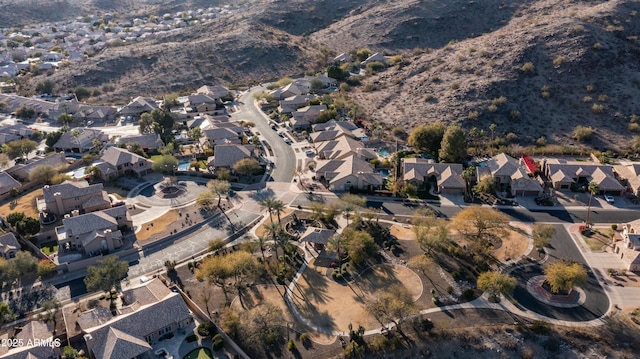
x=609, y=198
x=309, y=152
x=287, y=141
x=543, y=201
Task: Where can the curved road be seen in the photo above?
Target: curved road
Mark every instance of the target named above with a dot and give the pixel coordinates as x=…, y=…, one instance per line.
x=562, y=247
x=284, y=158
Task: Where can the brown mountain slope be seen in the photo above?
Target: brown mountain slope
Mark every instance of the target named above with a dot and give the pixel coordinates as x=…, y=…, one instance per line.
x=585, y=52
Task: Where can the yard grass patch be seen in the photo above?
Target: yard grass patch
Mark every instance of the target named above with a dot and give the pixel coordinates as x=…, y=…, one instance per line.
x=49, y=248
x=199, y=353
x=25, y=202
x=596, y=240
x=157, y=225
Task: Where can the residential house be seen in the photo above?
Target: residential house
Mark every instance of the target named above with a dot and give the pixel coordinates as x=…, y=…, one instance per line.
x=149, y=142
x=510, y=176
x=80, y=140
x=291, y=104
x=629, y=172
x=215, y=136
x=40, y=337
x=14, y=102
x=7, y=183
x=226, y=156
x=94, y=233
x=151, y=316
x=96, y=113
x=306, y=116
x=345, y=127
x=138, y=106
x=446, y=176
x=9, y=245
x=202, y=103
x=117, y=162
x=289, y=90
x=69, y=196
x=348, y=173
x=342, y=147
x=629, y=249
x=215, y=92
x=567, y=174
x=14, y=132
x=23, y=171
x=377, y=57
x=342, y=59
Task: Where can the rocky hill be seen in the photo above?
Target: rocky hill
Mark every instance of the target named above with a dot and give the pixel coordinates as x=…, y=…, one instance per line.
x=546, y=65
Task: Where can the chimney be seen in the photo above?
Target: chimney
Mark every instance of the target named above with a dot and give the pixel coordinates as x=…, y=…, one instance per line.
x=75, y=213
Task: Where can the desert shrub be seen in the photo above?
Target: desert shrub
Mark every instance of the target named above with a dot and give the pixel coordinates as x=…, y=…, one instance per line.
x=603, y=98
x=514, y=115
x=545, y=91
x=590, y=88
x=218, y=342
x=468, y=294
x=473, y=115
x=558, y=61
x=192, y=338
x=291, y=345
x=587, y=99
x=597, y=46
x=369, y=87
x=582, y=133
x=455, y=85
x=499, y=101
x=528, y=68
x=428, y=98
x=206, y=329
x=304, y=338
x=492, y=108
x=597, y=108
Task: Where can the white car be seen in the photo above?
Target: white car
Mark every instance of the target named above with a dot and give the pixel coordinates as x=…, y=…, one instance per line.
x=309, y=152
x=609, y=198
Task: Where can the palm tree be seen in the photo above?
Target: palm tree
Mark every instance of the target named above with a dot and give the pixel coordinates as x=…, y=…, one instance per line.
x=261, y=241
x=347, y=209
x=274, y=230
x=593, y=188
x=268, y=204
x=278, y=207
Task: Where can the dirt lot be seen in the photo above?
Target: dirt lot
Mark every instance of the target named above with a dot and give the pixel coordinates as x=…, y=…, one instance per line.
x=25, y=202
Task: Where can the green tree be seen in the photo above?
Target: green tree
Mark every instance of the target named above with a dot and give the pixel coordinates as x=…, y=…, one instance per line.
x=70, y=352
x=359, y=245
x=233, y=270
x=562, y=277
x=219, y=188
x=6, y=314
x=159, y=122
x=25, y=113
x=43, y=174
x=205, y=201
x=247, y=167
x=165, y=164
x=485, y=185
x=593, y=188
x=430, y=231
x=15, y=217
x=52, y=138
x=393, y=305
x=542, y=234
x=453, y=148
x=145, y=123
x=4, y=160
x=335, y=72
x=496, y=283
x=28, y=226
x=19, y=148
x=66, y=119
x=106, y=274
x=45, y=86
x=82, y=93
x=316, y=85
x=480, y=224
x=267, y=203
x=45, y=268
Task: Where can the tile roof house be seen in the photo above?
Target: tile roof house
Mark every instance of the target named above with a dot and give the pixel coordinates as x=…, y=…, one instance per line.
x=373, y=58
x=9, y=245
x=148, y=142
x=306, y=116
x=23, y=171
x=565, y=174
x=341, y=59
x=222, y=135
x=95, y=232
x=629, y=249
x=80, y=140
x=629, y=172
x=510, y=176
x=69, y=196
x=448, y=176
x=131, y=333
x=225, y=156
x=289, y=90
x=200, y=103
x=347, y=173
x=342, y=147
x=7, y=183
x=215, y=92
x=138, y=106
x=42, y=107
x=117, y=162
x=96, y=113
x=290, y=104
x=34, y=332
x=14, y=132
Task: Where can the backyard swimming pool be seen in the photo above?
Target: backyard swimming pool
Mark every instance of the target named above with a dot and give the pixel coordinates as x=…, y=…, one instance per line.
x=383, y=152
x=183, y=166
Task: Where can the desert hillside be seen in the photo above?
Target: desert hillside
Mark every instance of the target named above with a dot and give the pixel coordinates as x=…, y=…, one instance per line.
x=546, y=65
